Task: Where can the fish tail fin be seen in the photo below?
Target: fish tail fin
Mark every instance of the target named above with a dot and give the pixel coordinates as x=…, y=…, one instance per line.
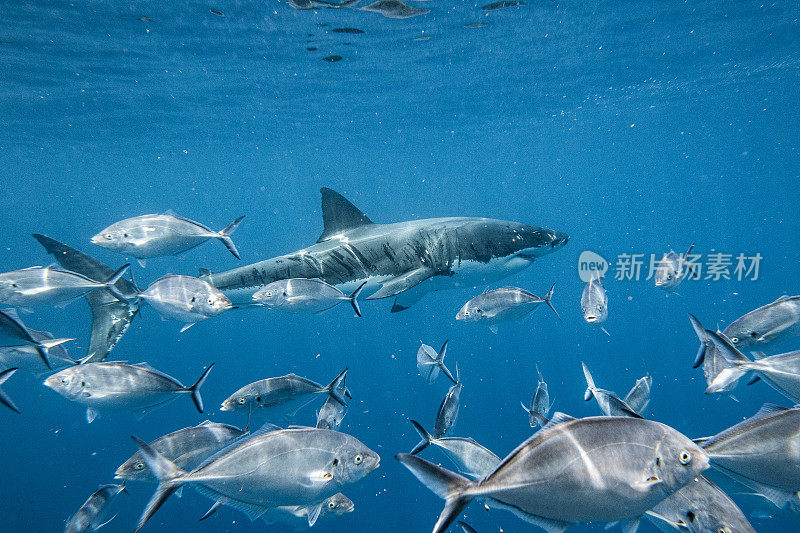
x=337, y=389
x=440, y=362
x=426, y=438
x=448, y=485
x=111, y=282
x=739, y=364
x=170, y=479
x=225, y=236
x=5, y=399
x=195, y=389
x=354, y=299
x=43, y=348
x=701, y=334
x=589, y=383
x=547, y=298
x=525, y=407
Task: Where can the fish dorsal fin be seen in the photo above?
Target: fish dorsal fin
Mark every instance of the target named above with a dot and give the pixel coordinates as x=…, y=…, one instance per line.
x=558, y=418
x=170, y=213
x=339, y=215
x=782, y=298
x=767, y=409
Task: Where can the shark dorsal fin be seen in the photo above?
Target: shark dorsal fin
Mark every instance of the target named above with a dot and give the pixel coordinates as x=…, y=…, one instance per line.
x=339, y=215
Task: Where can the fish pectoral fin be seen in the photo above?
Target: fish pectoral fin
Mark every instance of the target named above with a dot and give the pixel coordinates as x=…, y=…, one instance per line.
x=403, y=282
x=647, y=483
x=631, y=525
x=187, y=326
x=142, y=262
x=91, y=414
x=319, y=477
x=95, y=528
x=313, y=513
x=676, y=525
x=179, y=492
x=493, y=329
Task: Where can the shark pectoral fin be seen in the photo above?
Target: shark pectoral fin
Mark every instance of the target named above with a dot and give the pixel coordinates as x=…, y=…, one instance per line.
x=401, y=283
x=409, y=297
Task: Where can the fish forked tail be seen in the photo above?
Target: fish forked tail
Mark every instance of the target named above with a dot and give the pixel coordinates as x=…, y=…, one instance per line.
x=739, y=363
x=111, y=282
x=170, y=479
x=440, y=362
x=704, y=341
x=448, y=485
x=337, y=388
x=426, y=438
x=225, y=237
x=354, y=299
x=547, y=298
x=590, y=387
x=5, y=399
x=195, y=389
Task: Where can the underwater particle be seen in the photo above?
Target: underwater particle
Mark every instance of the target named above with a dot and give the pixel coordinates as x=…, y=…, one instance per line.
x=394, y=9
x=475, y=25
x=216, y=12
x=347, y=30
x=502, y=4
x=312, y=48
x=332, y=59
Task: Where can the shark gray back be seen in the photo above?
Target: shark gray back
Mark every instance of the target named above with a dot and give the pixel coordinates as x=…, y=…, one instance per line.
x=404, y=259
x=111, y=317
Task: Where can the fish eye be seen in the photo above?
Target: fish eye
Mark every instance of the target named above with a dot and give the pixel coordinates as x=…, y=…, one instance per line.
x=210, y=301
x=723, y=529
x=258, y=399
x=685, y=458
x=331, y=505
x=14, y=285
x=669, y=276
x=690, y=515
x=83, y=383
x=478, y=311
x=108, y=236
x=241, y=401
x=358, y=459
x=193, y=299
x=466, y=313
x=64, y=381
x=735, y=340
x=125, y=235
x=754, y=335
x=138, y=466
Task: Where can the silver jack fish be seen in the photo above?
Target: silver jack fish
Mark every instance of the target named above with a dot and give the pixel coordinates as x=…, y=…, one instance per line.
x=762, y=453
x=111, y=317
x=429, y=362
x=50, y=286
x=299, y=516
x=18, y=343
x=404, y=260
x=160, y=235
x=296, y=466
x=121, y=387
x=187, y=448
x=609, y=402
x=699, y=507
x=672, y=269
x=600, y=469
x=300, y=295
x=272, y=392
x=773, y=323
x=540, y=404
x=447, y=415
x=185, y=299
x=594, y=303
x=503, y=305
x=331, y=414
x=470, y=458
x=90, y=516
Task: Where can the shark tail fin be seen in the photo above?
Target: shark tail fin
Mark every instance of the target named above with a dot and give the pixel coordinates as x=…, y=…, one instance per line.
x=111, y=282
x=337, y=389
x=170, y=479
x=448, y=485
x=426, y=438
x=225, y=236
x=195, y=389
x=589, y=383
x=547, y=298
x=354, y=299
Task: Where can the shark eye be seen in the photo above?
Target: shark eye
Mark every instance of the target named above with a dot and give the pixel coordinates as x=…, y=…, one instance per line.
x=358, y=459
x=241, y=401
x=138, y=466
x=685, y=458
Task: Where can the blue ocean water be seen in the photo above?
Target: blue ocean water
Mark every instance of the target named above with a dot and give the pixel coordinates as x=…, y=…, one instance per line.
x=635, y=127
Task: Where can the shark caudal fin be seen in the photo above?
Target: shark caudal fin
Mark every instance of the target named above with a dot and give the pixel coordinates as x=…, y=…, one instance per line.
x=225, y=236
x=195, y=389
x=448, y=485
x=169, y=480
x=423, y=433
x=339, y=215
x=111, y=317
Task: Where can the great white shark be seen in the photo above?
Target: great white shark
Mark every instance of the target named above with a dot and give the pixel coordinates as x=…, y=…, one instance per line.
x=403, y=259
